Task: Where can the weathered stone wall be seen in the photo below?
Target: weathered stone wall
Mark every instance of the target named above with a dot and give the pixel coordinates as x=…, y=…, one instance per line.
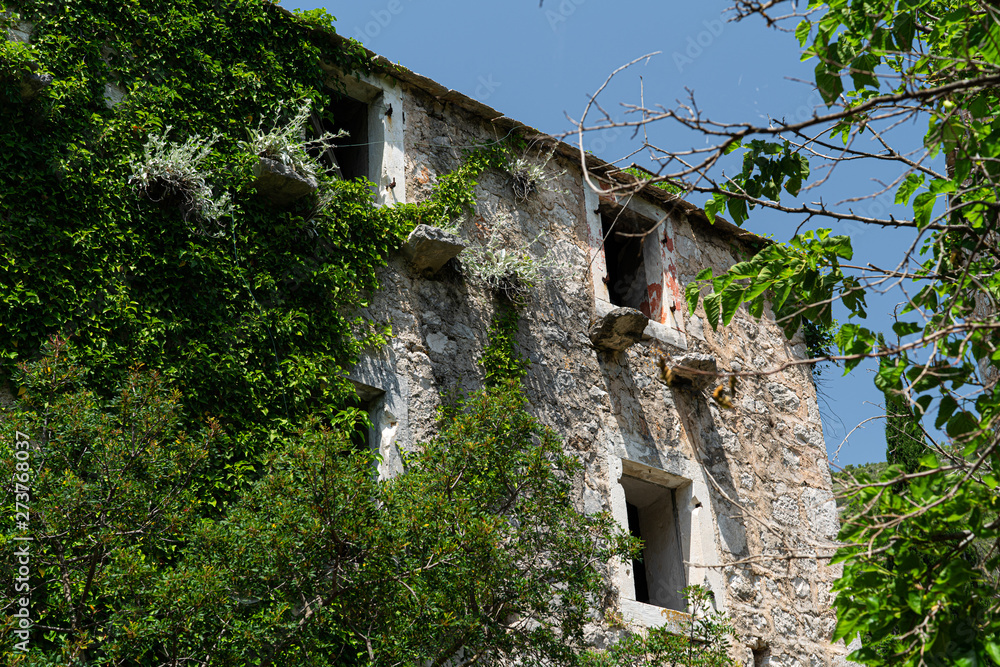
x=752, y=484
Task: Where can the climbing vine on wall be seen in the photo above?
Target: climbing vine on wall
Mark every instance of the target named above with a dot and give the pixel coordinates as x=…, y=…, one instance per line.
x=179, y=348
x=254, y=320
x=251, y=309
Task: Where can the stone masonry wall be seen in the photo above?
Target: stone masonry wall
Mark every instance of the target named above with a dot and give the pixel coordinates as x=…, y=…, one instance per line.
x=759, y=471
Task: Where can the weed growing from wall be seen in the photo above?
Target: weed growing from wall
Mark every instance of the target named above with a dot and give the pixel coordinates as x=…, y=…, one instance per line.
x=502, y=361
x=511, y=269
x=289, y=143
x=171, y=174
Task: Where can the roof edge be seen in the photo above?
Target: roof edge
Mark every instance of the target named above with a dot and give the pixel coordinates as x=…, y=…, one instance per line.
x=614, y=176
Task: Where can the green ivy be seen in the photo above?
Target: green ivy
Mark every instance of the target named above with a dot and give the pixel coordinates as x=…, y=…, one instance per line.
x=254, y=324
x=502, y=360
x=194, y=509
x=255, y=317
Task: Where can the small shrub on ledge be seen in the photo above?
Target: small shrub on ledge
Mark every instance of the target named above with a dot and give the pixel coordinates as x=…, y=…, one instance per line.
x=171, y=174
x=509, y=269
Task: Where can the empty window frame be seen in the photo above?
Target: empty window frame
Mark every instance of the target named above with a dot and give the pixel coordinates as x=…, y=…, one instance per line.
x=638, y=262
x=371, y=401
x=659, y=578
x=624, y=250
x=381, y=406
x=370, y=110
x=350, y=157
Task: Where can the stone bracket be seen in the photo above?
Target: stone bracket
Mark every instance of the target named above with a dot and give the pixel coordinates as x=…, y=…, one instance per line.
x=429, y=248
x=618, y=330
x=698, y=371
x=280, y=184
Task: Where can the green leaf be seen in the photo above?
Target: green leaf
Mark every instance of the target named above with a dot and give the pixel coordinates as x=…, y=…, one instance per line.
x=692, y=292
x=889, y=374
x=802, y=31
x=923, y=404
x=943, y=186
x=903, y=31
x=829, y=85
x=742, y=270
x=862, y=72
x=914, y=600
x=732, y=297
x=838, y=245
x=737, y=210
x=713, y=309
x=908, y=187
x=923, y=206
x=715, y=206
x=796, y=167
x=945, y=410
x=961, y=424
x=904, y=329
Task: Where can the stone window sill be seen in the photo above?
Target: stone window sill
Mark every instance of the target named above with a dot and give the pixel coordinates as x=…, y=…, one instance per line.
x=650, y=616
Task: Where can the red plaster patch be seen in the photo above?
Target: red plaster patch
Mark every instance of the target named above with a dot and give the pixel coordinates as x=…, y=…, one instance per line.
x=654, y=301
x=673, y=283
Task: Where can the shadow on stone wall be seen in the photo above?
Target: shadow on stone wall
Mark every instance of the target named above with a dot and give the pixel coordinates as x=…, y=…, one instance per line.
x=710, y=452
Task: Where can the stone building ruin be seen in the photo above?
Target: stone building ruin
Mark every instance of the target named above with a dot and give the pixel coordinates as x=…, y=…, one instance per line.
x=739, y=500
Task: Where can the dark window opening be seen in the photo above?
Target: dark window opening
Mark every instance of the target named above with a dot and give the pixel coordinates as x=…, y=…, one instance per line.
x=760, y=656
x=370, y=401
x=638, y=566
x=660, y=576
x=623, y=250
x=349, y=157
x=361, y=436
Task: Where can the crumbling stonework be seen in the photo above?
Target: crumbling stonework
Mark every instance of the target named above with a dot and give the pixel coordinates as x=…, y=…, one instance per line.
x=744, y=493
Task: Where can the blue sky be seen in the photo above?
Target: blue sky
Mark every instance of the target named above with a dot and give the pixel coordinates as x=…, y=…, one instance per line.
x=539, y=65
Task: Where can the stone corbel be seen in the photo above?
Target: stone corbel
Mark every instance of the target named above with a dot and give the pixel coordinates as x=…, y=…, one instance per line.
x=618, y=330
x=280, y=184
x=429, y=248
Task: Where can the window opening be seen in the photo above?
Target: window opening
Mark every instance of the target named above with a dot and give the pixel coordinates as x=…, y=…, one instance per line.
x=371, y=401
x=625, y=256
x=653, y=516
x=638, y=566
x=761, y=656
x=349, y=156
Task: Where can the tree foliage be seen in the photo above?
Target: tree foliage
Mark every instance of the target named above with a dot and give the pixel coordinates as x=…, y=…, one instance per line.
x=476, y=551
x=904, y=439
x=214, y=510
x=699, y=639
x=881, y=65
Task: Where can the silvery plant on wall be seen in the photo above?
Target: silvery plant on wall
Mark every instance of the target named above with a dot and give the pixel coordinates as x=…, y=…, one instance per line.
x=171, y=174
x=529, y=176
x=508, y=267
x=289, y=144
x=290, y=163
